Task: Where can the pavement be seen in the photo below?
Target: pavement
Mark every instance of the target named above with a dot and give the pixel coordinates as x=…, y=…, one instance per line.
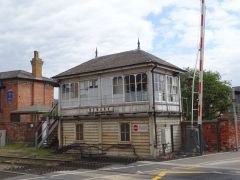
x=221, y=166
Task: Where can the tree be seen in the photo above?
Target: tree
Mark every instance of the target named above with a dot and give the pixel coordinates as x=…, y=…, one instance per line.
x=216, y=94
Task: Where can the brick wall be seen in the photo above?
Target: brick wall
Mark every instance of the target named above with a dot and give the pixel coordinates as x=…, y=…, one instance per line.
x=226, y=134
x=7, y=107
x=19, y=132
x=25, y=93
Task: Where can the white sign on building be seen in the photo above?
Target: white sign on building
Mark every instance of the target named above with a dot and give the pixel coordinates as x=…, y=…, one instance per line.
x=140, y=127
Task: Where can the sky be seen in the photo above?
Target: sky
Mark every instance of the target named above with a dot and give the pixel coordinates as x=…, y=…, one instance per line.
x=66, y=33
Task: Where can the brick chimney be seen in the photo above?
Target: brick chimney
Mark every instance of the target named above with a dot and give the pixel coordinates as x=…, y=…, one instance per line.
x=36, y=65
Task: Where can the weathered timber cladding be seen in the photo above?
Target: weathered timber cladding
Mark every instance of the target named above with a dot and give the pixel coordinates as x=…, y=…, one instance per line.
x=166, y=122
x=106, y=133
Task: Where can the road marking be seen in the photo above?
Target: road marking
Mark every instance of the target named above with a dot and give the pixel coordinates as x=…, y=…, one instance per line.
x=160, y=175
x=164, y=173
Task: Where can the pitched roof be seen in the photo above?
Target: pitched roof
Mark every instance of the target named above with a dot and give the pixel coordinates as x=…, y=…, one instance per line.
x=34, y=109
x=127, y=58
x=20, y=74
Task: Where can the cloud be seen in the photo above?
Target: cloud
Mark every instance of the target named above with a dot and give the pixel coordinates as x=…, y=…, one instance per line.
x=67, y=32
x=180, y=32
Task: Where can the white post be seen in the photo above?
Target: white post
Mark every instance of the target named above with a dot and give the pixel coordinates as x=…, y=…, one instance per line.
x=200, y=84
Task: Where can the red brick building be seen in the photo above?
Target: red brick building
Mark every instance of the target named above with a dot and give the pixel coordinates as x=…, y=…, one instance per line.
x=20, y=89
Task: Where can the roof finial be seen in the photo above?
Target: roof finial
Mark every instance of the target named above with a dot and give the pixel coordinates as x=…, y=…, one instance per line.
x=138, y=44
x=96, y=53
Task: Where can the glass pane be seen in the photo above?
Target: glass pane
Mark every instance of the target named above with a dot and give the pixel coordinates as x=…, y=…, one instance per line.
x=139, y=78
x=63, y=88
x=127, y=127
x=120, y=81
x=132, y=79
x=71, y=87
x=115, y=81
x=122, y=127
x=126, y=79
x=132, y=86
x=122, y=137
x=144, y=86
x=144, y=77
x=127, y=88
x=79, y=131
x=139, y=87
x=125, y=131
x=127, y=137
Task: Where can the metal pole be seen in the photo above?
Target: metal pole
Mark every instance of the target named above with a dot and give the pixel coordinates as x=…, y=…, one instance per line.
x=235, y=118
x=193, y=86
x=200, y=84
x=154, y=109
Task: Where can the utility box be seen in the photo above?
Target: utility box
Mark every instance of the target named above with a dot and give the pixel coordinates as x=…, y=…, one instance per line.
x=165, y=136
x=192, y=143
x=2, y=138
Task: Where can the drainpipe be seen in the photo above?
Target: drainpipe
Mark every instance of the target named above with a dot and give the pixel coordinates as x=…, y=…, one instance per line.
x=154, y=111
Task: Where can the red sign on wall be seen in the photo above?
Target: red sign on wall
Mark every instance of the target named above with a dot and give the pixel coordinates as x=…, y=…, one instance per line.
x=135, y=127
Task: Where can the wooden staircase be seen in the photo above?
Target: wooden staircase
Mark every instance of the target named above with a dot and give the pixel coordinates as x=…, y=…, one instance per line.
x=46, y=132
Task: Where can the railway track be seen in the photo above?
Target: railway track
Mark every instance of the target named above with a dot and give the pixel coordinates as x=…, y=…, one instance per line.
x=45, y=165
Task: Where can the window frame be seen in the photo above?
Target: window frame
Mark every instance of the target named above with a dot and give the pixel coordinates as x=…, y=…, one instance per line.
x=76, y=133
x=93, y=83
x=169, y=90
x=119, y=85
x=74, y=90
x=65, y=91
x=130, y=95
x=120, y=133
x=83, y=89
x=163, y=83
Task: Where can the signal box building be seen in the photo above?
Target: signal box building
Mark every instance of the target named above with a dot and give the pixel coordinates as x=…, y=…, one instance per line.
x=124, y=104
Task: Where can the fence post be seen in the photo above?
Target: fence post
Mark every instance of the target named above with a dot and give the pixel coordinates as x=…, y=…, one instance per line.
x=218, y=136
x=172, y=142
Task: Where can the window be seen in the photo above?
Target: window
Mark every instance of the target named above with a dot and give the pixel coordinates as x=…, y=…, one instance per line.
x=69, y=91
x=172, y=87
x=93, y=84
x=84, y=89
x=130, y=88
x=65, y=91
x=141, y=80
x=125, y=132
x=79, y=132
x=74, y=90
x=160, y=87
x=117, y=85
x=136, y=87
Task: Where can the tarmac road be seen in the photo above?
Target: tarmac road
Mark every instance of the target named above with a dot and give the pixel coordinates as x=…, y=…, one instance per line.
x=220, y=166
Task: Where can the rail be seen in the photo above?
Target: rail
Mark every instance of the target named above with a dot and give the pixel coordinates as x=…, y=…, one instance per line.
x=42, y=134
